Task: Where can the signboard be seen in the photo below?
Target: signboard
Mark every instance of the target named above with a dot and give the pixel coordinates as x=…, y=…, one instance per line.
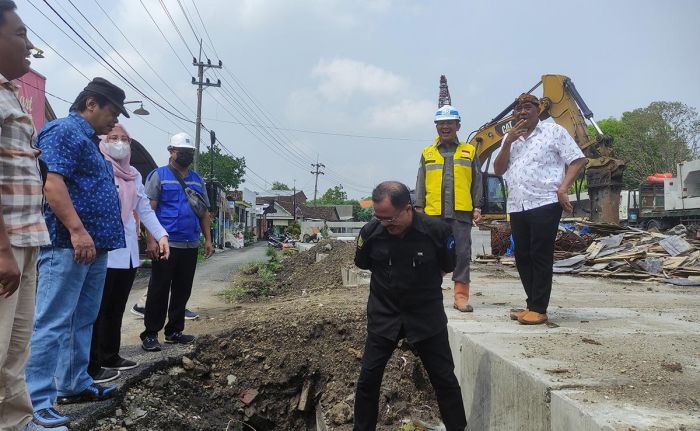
x=32, y=96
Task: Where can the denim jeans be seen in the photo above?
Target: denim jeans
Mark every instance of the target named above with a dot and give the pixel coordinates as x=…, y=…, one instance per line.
x=67, y=302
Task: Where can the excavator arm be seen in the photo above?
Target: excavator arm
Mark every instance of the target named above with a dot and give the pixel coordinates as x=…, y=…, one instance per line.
x=562, y=102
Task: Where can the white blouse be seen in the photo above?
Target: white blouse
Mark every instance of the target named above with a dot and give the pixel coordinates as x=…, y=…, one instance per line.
x=123, y=257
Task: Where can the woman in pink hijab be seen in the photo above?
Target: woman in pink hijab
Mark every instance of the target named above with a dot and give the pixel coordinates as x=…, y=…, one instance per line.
x=105, y=362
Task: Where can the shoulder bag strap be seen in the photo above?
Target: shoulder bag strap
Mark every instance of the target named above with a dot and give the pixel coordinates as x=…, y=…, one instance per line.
x=179, y=178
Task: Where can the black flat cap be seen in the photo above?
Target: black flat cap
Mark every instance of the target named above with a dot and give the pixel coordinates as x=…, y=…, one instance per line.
x=111, y=92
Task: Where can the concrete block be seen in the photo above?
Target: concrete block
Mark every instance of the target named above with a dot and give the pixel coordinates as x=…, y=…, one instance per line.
x=497, y=394
x=611, y=338
x=569, y=415
x=353, y=277
x=481, y=242
x=349, y=277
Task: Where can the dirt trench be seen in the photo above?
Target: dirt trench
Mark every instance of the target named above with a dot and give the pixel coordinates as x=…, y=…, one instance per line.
x=276, y=360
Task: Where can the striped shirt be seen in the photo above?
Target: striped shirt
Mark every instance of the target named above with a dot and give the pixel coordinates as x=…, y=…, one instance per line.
x=21, y=191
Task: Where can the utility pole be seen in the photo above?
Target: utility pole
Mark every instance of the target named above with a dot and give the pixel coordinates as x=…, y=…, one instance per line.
x=294, y=200
x=317, y=172
x=201, y=83
x=211, y=185
x=212, y=135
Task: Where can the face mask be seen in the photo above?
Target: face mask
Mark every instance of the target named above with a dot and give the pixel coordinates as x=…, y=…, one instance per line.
x=184, y=159
x=119, y=150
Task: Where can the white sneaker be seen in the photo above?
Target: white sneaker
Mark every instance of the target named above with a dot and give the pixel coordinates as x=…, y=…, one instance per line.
x=33, y=426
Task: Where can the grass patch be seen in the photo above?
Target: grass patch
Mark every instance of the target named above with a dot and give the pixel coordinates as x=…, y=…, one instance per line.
x=233, y=293
x=254, y=279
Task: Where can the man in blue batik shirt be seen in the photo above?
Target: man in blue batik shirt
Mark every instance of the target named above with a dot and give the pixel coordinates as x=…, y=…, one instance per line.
x=84, y=222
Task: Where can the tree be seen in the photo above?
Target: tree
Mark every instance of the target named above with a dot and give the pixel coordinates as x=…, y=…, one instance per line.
x=359, y=213
x=228, y=170
x=653, y=139
x=337, y=196
x=276, y=185
x=333, y=196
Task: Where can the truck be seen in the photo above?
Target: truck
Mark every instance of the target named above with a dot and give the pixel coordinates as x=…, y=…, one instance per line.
x=664, y=201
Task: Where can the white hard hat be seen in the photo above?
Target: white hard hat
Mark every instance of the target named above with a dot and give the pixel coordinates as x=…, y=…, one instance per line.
x=447, y=113
x=181, y=140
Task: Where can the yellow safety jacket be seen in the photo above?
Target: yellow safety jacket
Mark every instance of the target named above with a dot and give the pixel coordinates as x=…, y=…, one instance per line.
x=462, y=166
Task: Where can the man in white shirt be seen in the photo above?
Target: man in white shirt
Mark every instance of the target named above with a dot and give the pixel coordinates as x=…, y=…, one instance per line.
x=539, y=162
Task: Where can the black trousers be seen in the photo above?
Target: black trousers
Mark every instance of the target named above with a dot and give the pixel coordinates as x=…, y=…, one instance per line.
x=107, y=329
x=169, y=278
x=436, y=356
x=534, y=232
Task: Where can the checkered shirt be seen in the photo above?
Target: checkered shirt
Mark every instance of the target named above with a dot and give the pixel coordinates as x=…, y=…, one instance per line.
x=21, y=191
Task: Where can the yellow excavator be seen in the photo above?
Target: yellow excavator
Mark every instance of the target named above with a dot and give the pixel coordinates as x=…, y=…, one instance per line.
x=561, y=102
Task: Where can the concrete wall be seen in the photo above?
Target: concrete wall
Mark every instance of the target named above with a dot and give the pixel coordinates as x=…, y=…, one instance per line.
x=497, y=395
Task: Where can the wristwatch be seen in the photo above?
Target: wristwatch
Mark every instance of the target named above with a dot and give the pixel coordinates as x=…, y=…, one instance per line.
x=477, y=209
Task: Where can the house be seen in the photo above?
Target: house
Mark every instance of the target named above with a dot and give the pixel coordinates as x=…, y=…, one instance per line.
x=243, y=204
x=321, y=213
x=272, y=215
x=277, y=214
x=344, y=212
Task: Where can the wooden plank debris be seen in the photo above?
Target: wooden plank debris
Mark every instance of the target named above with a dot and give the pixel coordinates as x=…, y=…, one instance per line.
x=601, y=250
x=675, y=245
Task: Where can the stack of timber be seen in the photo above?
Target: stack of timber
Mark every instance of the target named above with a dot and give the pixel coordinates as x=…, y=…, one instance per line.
x=623, y=252
x=602, y=250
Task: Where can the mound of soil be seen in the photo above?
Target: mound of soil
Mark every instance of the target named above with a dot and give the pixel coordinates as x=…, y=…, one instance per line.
x=276, y=364
x=302, y=271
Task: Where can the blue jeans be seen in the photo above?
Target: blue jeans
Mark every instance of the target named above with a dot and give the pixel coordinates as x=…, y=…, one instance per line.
x=67, y=302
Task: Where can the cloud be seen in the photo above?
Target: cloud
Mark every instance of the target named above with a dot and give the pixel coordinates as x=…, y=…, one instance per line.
x=257, y=15
x=406, y=114
x=343, y=78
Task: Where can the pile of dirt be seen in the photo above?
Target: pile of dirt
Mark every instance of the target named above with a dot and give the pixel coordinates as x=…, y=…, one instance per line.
x=303, y=272
x=298, y=272
x=271, y=370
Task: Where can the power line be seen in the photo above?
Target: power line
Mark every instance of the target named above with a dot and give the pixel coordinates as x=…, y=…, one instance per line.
x=232, y=100
x=116, y=51
x=82, y=48
x=318, y=132
x=79, y=46
x=194, y=3
x=57, y=53
x=247, y=168
x=182, y=8
x=293, y=150
x=164, y=37
x=113, y=68
x=43, y=90
x=142, y=57
x=177, y=29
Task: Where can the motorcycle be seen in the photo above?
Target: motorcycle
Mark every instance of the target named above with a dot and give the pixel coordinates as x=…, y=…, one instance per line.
x=280, y=241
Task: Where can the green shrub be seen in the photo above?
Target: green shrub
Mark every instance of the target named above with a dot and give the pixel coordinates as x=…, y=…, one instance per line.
x=266, y=275
x=275, y=261
x=294, y=230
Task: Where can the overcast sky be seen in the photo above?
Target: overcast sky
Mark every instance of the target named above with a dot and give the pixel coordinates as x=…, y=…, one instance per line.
x=364, y=68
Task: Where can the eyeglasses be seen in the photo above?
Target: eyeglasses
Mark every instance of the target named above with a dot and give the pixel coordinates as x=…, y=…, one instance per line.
x=113, y=139
x=389, y=220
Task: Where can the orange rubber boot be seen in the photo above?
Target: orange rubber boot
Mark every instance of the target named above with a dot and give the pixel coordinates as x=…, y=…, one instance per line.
x=462, y=297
